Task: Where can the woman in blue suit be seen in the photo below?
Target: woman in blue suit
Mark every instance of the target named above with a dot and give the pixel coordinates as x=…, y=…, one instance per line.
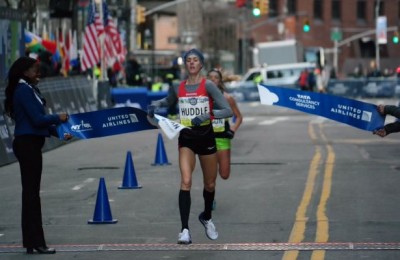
x=25, y=105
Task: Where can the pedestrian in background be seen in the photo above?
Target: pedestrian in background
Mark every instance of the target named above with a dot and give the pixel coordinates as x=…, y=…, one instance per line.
x=319, y=80
x=25, y=105
x=133, y=71
x=391, y=127
x=303, y=80
x=196, y=97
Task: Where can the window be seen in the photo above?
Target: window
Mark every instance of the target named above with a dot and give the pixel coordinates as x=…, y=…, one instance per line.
x=291, y=6
x=273, y=8
x=398, y=9
x=361, y=10
x=336, y=10
x=274, y=74
x=318, y=7
x=253, y=75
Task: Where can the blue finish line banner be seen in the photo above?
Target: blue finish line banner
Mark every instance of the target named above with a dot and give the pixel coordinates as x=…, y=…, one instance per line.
x=352, y=112
x=105, y=122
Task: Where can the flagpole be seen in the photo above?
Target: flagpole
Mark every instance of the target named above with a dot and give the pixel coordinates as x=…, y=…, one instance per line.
x=102, y=61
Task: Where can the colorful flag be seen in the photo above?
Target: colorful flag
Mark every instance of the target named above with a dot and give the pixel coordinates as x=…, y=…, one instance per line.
x=34, y=43
x=66, y=49
x=73, y=51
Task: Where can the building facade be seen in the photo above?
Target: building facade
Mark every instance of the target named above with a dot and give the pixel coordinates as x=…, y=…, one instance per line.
x=342, y=20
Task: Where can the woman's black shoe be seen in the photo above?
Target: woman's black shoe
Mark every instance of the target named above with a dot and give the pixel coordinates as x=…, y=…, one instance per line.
x=41, y=250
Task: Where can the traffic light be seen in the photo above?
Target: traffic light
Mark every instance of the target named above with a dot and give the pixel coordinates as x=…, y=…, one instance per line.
x=264, y=7
x=306, y=25
x=395, y=38
x=256, y=7
x=240, y=3
x=140, y=14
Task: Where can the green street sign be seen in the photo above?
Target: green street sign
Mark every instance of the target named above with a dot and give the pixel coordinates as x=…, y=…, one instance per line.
x=336, y=34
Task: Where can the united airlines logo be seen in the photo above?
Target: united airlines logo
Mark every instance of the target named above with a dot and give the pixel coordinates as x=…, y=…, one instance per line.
x=81, y=127
x=366, y=116
x=119, y=120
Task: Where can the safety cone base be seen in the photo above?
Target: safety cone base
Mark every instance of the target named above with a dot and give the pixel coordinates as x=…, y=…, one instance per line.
x=128, y=188
x=113, y=221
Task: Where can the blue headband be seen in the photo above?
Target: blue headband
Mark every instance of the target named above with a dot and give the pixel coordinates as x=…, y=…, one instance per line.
x=194, y=52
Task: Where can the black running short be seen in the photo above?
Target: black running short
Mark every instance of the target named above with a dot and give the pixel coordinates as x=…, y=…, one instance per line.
x=200, y=139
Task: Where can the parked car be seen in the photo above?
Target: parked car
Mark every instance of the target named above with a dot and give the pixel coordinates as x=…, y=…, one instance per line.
x=285, y=75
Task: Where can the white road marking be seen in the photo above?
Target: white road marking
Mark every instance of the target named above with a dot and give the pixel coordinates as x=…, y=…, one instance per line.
x=319, y=120
x=83, y=184
x=274, y=120
x=248, y=119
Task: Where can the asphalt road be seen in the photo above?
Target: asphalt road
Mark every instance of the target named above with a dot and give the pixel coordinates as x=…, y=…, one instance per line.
x=301, y=187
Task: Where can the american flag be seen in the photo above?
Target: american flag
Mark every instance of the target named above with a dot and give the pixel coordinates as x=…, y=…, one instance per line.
x=114, y=50
x=91, y=45
x=113, y=47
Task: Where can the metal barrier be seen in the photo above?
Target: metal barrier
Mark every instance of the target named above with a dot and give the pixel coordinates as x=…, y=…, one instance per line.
x=365, y=88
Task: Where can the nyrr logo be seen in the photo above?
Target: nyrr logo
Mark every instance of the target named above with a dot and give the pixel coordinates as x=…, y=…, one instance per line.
x=193, y=101
x=81, y=127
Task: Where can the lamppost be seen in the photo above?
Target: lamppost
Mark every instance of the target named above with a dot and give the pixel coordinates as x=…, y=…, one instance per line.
x=148, y=38
x=377, y=56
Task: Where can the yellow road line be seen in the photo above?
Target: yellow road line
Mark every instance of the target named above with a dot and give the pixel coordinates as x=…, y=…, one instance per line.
x=299, y=227
x=322, y=234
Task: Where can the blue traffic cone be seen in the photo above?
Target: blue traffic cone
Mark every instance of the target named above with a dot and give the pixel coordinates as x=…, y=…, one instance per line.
x=161, y=155
x=102, y=212
x=129, y=181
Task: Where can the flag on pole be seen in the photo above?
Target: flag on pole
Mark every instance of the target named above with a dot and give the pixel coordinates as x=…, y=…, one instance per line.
x=66, y=51
x=91, y=45
x=114, y=50
x=73, y=51
x=34, y=43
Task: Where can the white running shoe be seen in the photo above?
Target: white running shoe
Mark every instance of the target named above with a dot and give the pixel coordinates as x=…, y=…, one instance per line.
x=184, y=237
x=211, y=231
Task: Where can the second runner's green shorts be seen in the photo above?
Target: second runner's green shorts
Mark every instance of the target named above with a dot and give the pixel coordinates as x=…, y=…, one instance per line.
x=223, y=143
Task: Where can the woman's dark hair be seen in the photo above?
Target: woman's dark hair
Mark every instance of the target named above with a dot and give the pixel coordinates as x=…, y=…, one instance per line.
x=16, y=72
x=221, y=85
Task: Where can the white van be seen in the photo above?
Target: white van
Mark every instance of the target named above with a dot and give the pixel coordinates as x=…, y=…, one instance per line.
x=284, y=75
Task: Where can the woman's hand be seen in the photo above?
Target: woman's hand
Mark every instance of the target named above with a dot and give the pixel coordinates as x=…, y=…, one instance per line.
x=380, y=132
x=381, y=109
x=67, y=136
x=63, y=117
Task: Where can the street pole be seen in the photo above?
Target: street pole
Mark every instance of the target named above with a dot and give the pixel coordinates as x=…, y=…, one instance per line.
x=335, y=55
x=244, y=41
x=377, y=54
x=132, y=26
x=102, y=38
